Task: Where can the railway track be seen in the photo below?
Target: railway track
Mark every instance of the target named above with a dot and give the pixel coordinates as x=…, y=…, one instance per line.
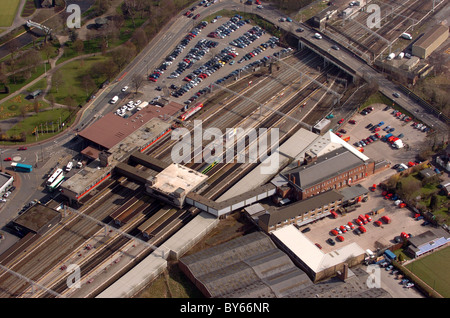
x=396, y=19
x=46, y=256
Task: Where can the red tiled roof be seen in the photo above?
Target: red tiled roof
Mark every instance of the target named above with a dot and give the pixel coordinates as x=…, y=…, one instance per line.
x=111, y=129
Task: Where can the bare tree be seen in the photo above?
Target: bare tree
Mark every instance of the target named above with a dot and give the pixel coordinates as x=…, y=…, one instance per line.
x=137, y=81
x=57, y=79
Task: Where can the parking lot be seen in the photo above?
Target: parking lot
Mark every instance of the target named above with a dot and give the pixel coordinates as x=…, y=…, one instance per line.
x=375, y=236
x=208, y=54
x=412, y=137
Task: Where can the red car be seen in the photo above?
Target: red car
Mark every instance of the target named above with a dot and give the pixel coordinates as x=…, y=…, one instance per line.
x=318, y=245
x=334, y=232
x=343, y=229
x=362, y=229
x=352, y=121
x=358, y=221
x=7, y=159
x=352, y=226
x=22, y=148
x=378, y=222
x=340, y=238
x=341, y=121
x=368, y=218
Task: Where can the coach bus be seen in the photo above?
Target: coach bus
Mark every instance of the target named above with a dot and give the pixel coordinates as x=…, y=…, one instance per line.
x=21, y=167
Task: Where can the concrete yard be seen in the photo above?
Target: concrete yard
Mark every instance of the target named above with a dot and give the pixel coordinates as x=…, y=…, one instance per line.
x=375, y=237
x=381, y=150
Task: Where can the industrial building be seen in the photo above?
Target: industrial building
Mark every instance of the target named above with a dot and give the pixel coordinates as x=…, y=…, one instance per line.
x=430, y=41
x=38, y=219
x=317, y=264
x=270, y=218
x=249, y=266
x=253, y=266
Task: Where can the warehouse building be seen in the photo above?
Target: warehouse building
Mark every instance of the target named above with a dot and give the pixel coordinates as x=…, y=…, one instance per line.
x=270, y=218
x=430, y=41
x=250, y=266
x=317, y=264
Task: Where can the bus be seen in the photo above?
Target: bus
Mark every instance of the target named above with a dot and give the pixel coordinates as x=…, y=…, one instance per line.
x=55, y=184
x=21, y=167
x=54, y=176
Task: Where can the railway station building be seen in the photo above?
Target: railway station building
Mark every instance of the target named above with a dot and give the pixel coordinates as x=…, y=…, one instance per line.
x=110, y=148
x=328, y=163
x=174, y=183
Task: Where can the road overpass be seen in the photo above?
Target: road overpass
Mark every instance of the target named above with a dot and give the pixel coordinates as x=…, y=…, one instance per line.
x=356, y=66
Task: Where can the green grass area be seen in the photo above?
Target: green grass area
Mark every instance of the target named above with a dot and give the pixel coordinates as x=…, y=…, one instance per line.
x=13, y=107
x=379, y=98
x=8, y=12
x=71, y=85
x=309, y=11
x=28, y=8
x=19, y=84
x=43, y=120
x=433, y=270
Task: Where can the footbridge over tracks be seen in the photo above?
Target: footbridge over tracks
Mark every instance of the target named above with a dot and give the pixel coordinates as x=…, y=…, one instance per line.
x=240, y=201
x=148, y=161
x=194, y=199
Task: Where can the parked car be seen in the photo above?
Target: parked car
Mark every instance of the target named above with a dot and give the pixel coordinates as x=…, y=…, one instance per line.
x=7, y=159
x=318, y=245
x=340, y=238
x=306, y=230
x=22, y=148
x=331, y=241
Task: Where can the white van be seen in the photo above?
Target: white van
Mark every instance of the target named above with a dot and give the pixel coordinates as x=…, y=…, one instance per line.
x=69, y=166
x=114, y=99
x=406, y=36
x=317, y=36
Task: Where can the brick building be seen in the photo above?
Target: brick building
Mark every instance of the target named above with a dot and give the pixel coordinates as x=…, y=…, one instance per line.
x=334, y=170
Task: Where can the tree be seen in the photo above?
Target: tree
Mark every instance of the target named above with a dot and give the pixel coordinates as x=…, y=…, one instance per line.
x=137, y=81
x=36, y=106
x=57, y=79
x=88, y=83
x=78, y=46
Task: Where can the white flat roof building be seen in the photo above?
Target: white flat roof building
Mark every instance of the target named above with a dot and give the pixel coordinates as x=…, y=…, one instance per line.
x=174, y=183
x=310, y=258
